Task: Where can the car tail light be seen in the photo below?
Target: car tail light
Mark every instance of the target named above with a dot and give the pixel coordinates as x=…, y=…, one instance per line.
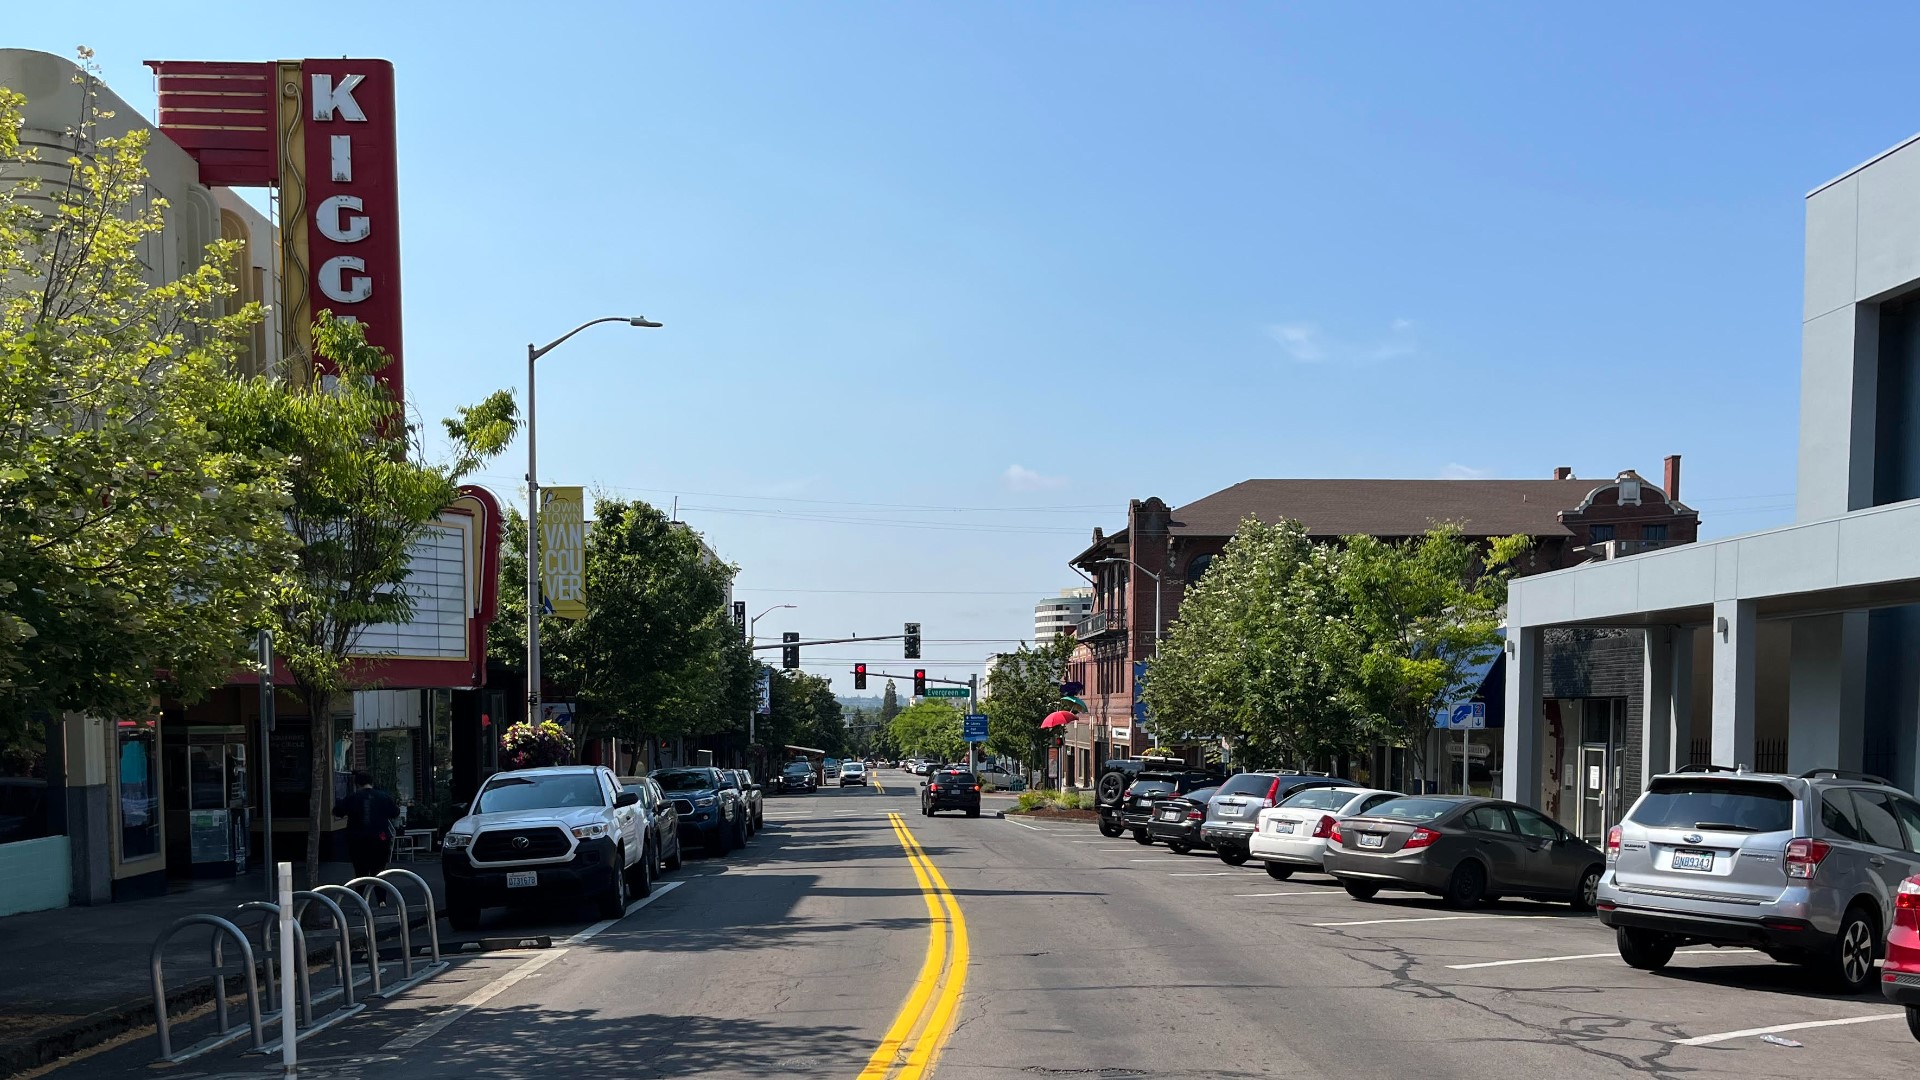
x=1324, y=830
x=1613, y=844
x=1420, y=838
x=1804, y=855
x=1333, y=834
x=976, y=787
x=1273, y=791
x=1195, y=815
x=1906, y=905
x=933, y=787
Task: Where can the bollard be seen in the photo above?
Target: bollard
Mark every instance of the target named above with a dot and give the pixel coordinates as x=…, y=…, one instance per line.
x=222, y=928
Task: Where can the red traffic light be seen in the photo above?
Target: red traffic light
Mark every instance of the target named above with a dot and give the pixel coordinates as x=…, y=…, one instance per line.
x=919, y=682
x=859, y=676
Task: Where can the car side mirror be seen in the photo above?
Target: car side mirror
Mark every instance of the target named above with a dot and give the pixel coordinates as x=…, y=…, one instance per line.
x=627, y=798
x=757, y=787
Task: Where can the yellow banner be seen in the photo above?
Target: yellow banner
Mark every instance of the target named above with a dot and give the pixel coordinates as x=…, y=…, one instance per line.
x=563, y=551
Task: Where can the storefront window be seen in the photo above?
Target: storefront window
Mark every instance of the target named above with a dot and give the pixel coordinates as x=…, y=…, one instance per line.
x=23, y=782
x=390, y=759
x=139, y=789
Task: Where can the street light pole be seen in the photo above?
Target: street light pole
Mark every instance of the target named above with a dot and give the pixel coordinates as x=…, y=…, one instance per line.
x=534, y=561
x=751, y=623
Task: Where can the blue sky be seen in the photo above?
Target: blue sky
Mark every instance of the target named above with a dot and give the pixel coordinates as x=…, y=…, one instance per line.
x=945, y=285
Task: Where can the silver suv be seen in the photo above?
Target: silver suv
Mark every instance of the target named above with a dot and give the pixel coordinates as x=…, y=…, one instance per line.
x=1803, y=868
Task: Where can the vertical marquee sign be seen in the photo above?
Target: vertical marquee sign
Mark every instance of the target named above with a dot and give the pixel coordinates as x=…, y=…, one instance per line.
x=322, y=132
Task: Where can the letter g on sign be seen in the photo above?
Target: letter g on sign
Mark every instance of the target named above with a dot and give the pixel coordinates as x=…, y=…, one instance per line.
x=332, y=279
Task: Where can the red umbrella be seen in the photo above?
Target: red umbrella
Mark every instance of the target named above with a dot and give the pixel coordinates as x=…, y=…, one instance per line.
x=1057, y=719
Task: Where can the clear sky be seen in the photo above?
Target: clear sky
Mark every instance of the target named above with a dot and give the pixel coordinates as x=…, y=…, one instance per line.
x=946, y=284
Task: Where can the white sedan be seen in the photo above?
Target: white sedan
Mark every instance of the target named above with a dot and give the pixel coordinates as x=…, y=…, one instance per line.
x=1293, y=836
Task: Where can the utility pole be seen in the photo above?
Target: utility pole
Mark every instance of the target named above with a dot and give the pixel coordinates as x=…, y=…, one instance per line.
x=973, y=705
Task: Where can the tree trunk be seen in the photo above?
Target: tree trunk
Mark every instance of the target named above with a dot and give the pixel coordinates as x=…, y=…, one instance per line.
x=320, y=804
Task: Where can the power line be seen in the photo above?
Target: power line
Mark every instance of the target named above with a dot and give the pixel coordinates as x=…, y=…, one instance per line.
x=901, y=592
x=1062, y=508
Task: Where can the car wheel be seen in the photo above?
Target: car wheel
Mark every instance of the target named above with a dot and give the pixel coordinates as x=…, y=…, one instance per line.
x=1110, y=830
x=926, y=811
x=1179, y=847
x=973, y=811
x=613, y=902
x=1648, y=950
x=1140, y=837
x=1913, y=1021
x=463, y=913
x=1468, y=885
x=1361, y=890
x=1278, y=872
x=673, y=862
x=1849, y=963
x=640, y=880
x=1232, y=857
x=1589, y=887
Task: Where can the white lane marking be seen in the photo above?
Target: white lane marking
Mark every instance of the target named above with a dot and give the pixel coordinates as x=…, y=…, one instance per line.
x=1024, y=825
x=1208, y=873
x=1724, y=1036
x=484, y=994
x=1585, y=956
x=1329, y=893
x=1430, y=918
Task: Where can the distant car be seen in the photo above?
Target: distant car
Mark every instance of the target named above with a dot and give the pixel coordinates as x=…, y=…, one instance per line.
x=1294, y=835
x=830, y=768
x=1900, y=977
x=711, y=812
x=663, y=821
x=995, y=777
x=853, y=774
x=1236, y=807
x=1177, y=819
x=922, y=768
x=796, y=778
x=950, y=789
x=1464, y=849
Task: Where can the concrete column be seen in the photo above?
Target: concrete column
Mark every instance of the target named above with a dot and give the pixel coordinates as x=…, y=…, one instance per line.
x=1656, y=718
x=1520, y=777
x=1734, y=629
x=1680, y=720
x=89, y=807
x=1827, y=692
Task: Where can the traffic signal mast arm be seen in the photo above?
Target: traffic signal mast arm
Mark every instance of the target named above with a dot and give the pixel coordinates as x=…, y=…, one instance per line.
x=927, y=678
x=827, y=641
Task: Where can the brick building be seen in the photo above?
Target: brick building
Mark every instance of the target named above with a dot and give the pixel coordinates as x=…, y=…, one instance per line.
x=1162, y=550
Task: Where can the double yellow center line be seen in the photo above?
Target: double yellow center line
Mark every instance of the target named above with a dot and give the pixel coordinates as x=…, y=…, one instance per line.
x=918, y=1034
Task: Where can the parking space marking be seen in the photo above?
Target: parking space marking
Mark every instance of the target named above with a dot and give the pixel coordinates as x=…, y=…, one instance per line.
x=1204, y=873
x=1022, y=824
x=1707, y=951
x=1432, y=918
x=1327, y=892
x=1725, y=1036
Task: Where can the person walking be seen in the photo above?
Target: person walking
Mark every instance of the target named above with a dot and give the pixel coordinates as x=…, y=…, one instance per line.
x=369, y=813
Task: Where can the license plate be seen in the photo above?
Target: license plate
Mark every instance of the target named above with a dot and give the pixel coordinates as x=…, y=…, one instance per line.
x=522, y=879
x=1229, y=811
x=1169, y=815
x=1283, y=827
x=1372, y=839
x=1693, y=860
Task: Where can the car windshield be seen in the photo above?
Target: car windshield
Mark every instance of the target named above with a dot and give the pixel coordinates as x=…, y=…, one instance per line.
x=1737, y=806
x=1248, y=784
x=799, y=768
x=1202, y=794
x=1414, y=809
x=1320, y=798
x=687, y=779
x=505, y=794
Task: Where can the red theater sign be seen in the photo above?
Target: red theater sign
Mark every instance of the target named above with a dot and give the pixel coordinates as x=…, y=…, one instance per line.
x=322, y=131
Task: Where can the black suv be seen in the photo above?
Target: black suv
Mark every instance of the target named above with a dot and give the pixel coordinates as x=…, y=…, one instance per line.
x=950, y=789
x=1115, y=803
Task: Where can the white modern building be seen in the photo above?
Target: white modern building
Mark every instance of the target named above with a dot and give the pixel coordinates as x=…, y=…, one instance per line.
x=1800, y=643
x=1061, y=614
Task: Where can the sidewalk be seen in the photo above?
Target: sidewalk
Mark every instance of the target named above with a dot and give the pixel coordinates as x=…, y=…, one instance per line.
x=78, y=976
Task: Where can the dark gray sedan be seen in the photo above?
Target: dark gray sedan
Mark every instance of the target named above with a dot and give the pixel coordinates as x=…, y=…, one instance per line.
x=1464, y=849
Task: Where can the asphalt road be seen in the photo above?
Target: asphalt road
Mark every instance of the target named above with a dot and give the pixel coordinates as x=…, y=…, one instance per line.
x=830, y=948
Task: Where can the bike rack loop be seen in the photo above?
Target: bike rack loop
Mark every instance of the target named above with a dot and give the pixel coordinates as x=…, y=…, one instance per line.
x=433, y=918
x=406, y=937
x=303, y=993
x=267, y=960
x=373, y=938
x=342, y=943
x=221, y=928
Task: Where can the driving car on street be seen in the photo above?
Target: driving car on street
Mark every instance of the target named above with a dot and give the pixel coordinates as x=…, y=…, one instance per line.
x=1235, y=808
x=711, y=813
x=1293, y=836
x=950, y=789
x=1465, y=849
x=796, y=777
x=1804, y=868
x=853, y=774
x=663, y=821
x=1177, y=819
x=534, y=836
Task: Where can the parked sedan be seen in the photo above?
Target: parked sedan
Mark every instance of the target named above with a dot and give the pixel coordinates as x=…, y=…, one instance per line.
x=1177, y=820
x=662, y=819
x=1293, y=836
x=1464, y=849
x=751, y=794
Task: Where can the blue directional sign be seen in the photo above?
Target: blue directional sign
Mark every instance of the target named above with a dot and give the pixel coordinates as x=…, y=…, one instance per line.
x=973, y=728
x=1468, y=716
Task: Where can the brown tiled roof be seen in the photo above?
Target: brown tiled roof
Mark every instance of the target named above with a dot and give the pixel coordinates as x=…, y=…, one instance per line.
x=1389, y=507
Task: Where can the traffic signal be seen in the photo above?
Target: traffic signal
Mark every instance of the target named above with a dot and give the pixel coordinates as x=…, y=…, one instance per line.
x=913, y=641
x=790, y=650
x=919, y=682
x=1059, y=741
x=859, y=676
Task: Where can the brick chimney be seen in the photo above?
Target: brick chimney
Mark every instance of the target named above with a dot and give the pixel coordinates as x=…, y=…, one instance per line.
x=1672, y=487
x=1563, y=472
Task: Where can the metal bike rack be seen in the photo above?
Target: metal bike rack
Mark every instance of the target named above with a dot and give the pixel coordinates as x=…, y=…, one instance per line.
x=303, y=993
x=222, y=929
x=408, y=979
x=372, y=939
x=338, y=936
x=433, y=917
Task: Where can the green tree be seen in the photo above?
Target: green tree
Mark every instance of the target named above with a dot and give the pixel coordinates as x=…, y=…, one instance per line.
x=805, y=713
x=1426, y=613
x=133, y=542
x=889, y=704
x=360, y=498
x=1264, y=653
x=1026, y=687
x=657, y=655
x=929, y=728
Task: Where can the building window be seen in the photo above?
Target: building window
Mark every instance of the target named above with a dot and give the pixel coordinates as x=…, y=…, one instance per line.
x=1600, y=534
x=1197, y=568
x=1653, y=534
x=139, y=789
